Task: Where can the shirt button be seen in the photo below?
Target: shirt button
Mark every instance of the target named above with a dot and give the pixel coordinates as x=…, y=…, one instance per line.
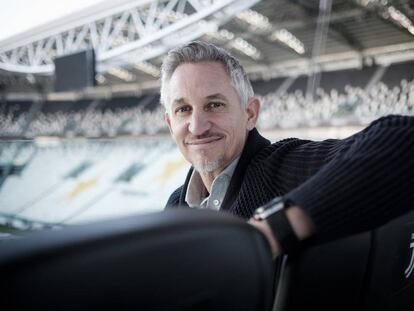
x=216, y=202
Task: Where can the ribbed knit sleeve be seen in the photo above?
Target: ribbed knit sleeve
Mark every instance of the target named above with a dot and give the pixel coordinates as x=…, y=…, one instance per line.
x=366, y=180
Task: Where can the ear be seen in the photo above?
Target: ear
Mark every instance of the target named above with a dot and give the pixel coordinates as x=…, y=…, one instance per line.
x=252, y=110
x=168, y=121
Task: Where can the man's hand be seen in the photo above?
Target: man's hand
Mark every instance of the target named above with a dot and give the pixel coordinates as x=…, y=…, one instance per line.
x=301, y=223
x=264, y=227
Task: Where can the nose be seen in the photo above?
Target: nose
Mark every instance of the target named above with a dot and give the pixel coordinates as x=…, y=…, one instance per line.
x=199, y=122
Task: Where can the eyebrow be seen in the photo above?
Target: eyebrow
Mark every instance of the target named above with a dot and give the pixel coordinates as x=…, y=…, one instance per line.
x=180, y=101
x=217, y=96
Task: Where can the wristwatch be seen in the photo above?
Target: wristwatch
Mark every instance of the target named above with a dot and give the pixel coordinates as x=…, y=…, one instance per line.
x=274, y=212
x=269, y=208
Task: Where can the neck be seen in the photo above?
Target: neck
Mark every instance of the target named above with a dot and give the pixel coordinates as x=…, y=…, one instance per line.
x=208, y=178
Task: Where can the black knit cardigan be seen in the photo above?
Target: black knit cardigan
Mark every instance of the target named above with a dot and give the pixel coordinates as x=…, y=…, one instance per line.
x=346, y=186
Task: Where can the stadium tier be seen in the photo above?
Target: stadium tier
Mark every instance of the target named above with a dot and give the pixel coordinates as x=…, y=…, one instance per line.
x=344, y=97
x=74, y=181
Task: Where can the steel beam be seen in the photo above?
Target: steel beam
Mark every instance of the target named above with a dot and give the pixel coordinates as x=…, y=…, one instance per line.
x=144, y=28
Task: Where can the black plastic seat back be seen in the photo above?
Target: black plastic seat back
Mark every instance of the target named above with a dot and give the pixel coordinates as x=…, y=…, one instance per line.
x=368, y=271
x=329, y=276
x=390, y=278
x=173, y=260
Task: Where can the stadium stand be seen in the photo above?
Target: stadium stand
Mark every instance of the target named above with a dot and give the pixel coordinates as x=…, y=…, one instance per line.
x=84, y=180
x=121, y=116
x=344, y=97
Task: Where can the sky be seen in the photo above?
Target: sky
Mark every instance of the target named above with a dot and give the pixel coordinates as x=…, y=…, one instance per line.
x=17, y=16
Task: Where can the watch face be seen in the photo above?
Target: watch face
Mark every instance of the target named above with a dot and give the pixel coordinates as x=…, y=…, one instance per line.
x=259, y=210
x=269, y=208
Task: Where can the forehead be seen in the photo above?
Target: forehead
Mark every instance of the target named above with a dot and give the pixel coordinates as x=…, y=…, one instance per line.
x=200, y=80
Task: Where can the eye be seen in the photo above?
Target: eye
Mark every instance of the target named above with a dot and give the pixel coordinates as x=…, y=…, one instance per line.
x=182, y=109
x=215, y=105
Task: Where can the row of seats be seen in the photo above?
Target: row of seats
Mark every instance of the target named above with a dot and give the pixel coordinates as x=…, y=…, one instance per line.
x=355, y=105
x=89, y=123
x=80, y=181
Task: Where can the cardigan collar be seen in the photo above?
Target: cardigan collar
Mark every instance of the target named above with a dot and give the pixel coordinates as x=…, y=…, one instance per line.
x=254, y=143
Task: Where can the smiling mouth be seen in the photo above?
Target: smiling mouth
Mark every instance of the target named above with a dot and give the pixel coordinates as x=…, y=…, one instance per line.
x=203, y=141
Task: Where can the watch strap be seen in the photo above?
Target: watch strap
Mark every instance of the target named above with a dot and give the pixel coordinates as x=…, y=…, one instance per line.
x=283, y=231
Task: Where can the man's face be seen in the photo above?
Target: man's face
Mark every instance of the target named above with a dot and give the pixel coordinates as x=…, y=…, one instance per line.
x=205, y=116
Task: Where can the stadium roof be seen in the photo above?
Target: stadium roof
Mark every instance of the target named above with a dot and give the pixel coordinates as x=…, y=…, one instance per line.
x=271, y=38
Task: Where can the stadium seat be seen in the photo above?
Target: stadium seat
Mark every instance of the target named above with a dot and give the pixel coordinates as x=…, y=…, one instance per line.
x=390, y=278
x=172, y=260
x=368, y=271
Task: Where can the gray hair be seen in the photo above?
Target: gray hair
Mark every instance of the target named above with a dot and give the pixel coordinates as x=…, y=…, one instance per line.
x=197, y=51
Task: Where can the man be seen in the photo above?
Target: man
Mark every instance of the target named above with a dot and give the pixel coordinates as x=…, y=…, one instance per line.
x=323, y=189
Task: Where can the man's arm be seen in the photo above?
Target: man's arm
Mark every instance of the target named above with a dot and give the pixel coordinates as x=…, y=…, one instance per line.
x=367, y=183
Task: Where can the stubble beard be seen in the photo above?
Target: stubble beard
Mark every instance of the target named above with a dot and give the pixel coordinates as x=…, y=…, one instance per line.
x=206, y=166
